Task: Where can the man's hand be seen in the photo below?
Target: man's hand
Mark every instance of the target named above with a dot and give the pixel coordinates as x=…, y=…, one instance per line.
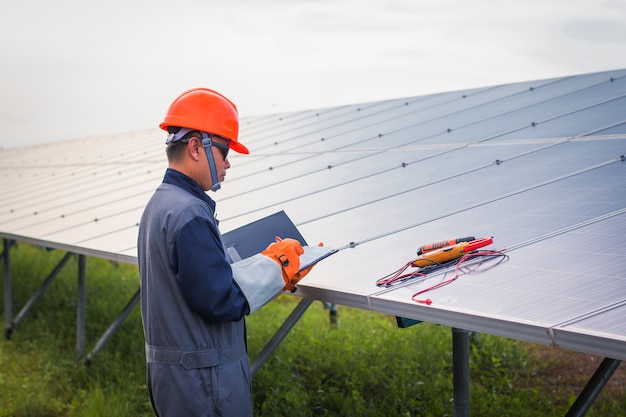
x=286, y=252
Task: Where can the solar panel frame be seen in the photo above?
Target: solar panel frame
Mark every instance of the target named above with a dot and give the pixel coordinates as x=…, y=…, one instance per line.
x=521, y=162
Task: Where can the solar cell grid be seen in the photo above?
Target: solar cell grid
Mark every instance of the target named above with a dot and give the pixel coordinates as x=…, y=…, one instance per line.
x=508, y=161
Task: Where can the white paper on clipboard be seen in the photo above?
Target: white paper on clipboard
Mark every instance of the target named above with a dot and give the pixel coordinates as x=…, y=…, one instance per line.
x=314, y=254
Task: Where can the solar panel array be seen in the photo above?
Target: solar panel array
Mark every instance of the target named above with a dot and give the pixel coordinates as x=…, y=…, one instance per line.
x=538, y=165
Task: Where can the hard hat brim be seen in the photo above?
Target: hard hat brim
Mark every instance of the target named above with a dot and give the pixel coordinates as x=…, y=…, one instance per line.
x=238, y=147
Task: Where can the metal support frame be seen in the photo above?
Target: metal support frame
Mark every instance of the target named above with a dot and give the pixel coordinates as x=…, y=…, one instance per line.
x=332, y=308
x=460, y=337
x=593, y=388
x=460, y=357
x=8, y=329
x=81, y=302
x=117, y=323
x=13, y=323
x=271, y=346
x=460, y=372
x=37, y=295
x=81, y=305
x=461, y=379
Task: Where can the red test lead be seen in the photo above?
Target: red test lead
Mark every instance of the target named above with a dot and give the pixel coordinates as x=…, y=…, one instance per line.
x=478, y=254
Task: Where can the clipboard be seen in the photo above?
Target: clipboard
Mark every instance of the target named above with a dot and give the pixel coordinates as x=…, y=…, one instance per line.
x=314, y=254
x=253, y=238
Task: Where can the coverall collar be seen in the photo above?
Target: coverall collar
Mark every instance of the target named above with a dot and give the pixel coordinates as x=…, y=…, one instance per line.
x=181, y=180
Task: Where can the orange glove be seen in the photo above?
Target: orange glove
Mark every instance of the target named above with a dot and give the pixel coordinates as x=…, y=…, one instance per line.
x=286, y=253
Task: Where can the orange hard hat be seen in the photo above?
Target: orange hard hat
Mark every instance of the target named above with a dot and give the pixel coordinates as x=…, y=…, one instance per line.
x=207, y=111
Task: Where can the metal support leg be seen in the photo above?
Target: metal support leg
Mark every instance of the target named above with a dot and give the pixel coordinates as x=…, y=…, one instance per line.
x=333, y=312
x=29, y=304
x=593, y=387
x=80, y=305
x=460, y=372
x=113, y=328
x=280, y=335
x=8, y=318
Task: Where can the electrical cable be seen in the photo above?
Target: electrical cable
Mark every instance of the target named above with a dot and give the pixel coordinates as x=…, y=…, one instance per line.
x=489, y=254
x=398, y=277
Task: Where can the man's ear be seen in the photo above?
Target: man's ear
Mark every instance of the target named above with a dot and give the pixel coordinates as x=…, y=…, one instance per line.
x=194, y=147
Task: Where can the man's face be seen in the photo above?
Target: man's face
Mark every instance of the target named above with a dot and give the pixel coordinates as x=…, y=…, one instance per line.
x=219, y=150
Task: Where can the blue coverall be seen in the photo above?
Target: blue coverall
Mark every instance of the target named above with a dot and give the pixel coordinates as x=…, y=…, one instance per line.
x=193, y=303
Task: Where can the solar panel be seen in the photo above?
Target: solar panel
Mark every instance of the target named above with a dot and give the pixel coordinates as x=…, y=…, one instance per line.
x=538, y=165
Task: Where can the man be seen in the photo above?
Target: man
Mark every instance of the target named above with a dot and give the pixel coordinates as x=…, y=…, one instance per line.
x=193, y=302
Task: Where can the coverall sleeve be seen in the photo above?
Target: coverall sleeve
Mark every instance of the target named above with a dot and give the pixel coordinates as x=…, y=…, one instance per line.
x=204, y=275
x=260, y=278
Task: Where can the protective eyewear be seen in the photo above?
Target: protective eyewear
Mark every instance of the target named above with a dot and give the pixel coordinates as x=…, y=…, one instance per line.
x=224, y=148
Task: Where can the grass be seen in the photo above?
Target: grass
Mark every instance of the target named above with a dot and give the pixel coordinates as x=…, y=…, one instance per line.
x=363, y=365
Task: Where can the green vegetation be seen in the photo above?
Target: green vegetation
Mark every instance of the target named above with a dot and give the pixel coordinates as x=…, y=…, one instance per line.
x=363, y=365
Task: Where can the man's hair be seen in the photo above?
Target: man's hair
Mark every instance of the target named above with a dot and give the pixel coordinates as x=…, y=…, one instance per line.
x=176, y=150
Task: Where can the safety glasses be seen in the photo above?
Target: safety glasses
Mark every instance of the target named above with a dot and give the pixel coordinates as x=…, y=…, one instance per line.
x=224, y=148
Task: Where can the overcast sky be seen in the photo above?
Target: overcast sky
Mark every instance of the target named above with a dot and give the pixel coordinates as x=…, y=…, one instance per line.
x=76, y=68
